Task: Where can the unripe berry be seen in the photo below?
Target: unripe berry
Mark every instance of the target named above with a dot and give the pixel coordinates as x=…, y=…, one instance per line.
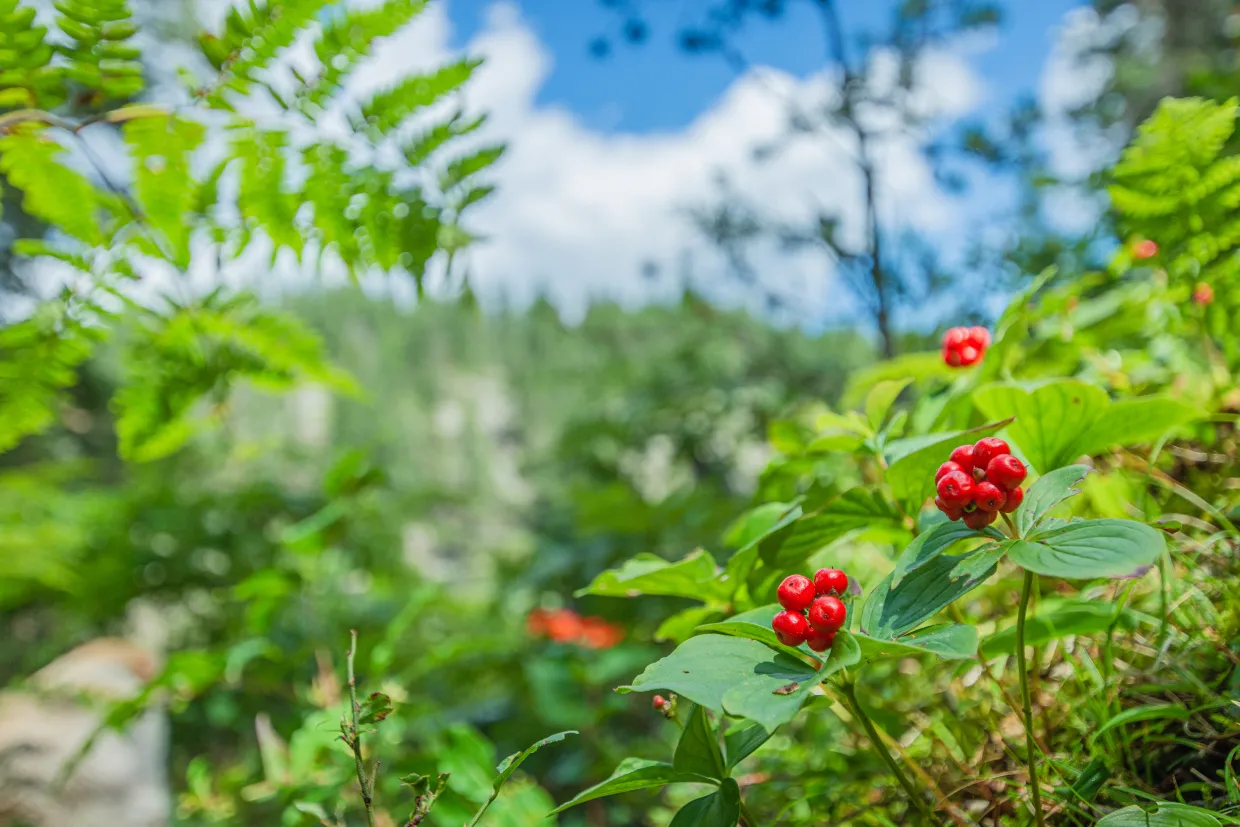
x=790, y=627
x=979, y=519
x=820, y=641
x=953, y=514
x=827, y=581
x=659, y=702
x=796, y=593
x=988, y=497
x=986, y=449
x=963, y=456
x=956, y=489
x=946, y=468
x=1006, y=471
x=828, y=614
x=1014, y=498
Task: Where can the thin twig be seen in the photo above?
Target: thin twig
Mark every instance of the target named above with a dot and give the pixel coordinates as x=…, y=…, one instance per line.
x=355, y=742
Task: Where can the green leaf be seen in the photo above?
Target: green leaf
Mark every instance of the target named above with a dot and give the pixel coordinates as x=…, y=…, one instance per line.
x=1059, y=619
x=951, y=641
x=721, y=808
x=1167, y=814
x=911, y=473
x=680, y=626
x=928, y=545
x=374, y=708
x=1152, y=712
x=695, y=576
x=857, y=508
x=881, y=397
x=920, y=366
x=892, y=611
x=697, y=752
x=1049, y=417
x=754, y=624
x=162, y=148
x=632, y=774
x=1049, y=491
x=1092, y=778
x=1090, y=548
x=51, y=191
x=1133, y=422
x=509, y=765
x=743, y=740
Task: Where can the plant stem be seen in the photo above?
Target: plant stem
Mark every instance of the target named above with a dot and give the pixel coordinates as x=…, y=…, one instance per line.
x=913, y=794
x=368, y=791
x=747, y=816
x=1030, y=746
x=1011, y=526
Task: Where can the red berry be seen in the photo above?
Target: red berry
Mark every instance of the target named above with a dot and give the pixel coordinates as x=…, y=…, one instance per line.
x=1144, y=249
x=979, y=519
x=827, y=581
x=956, y=489
x=953, y=514
x=1006, y=471
x=986, y=449
x=1203, y=293
x=969, y=355
x=820, y=641
x=796, y=592
x=955, y=337
x=790, y=627
x=659, y=702
x=828, y=614
x=979, y=337
x=963, y=456
x=947, y=468
x=1014, y=498
x=988, y=497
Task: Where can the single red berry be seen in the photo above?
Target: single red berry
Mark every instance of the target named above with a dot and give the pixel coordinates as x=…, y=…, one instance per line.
x=951, y=357
x=820, y=641
x=659, y=702
x=969, y=355
x=828, y=614
x=1144, y=249
x=1014, y=498
x=986, y=449
x=1203, y=293
x=955, y=489
x=790, y=627
x=946, y=468
x=979, y=337
x=955, y=337
x=963, y=456
x=1006, y=471
x=953, y=514
x=796, y=592
x=827, y=581
x=979, y=519
x=988, y=497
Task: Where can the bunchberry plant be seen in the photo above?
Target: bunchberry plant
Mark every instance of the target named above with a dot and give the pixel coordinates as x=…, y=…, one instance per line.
x=965, y=346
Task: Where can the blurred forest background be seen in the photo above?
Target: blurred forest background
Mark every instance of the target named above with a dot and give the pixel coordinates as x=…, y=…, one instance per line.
x=470, y=458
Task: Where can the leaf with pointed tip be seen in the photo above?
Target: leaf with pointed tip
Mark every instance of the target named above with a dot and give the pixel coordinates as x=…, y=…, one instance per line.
x=632, y=774
x=891, y=611
x=693, y=576
x=743, y=740
x=1049, y=416
x=950, y=641
x=1089, y=548
x=1133, y=422
x=721, y=808
x=930, y=544
x=509, y=765
x=881, y=397
x=697, y=751
x=1167, y=814
x=1049, y=491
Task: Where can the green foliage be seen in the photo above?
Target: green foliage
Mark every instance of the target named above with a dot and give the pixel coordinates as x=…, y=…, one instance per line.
x=26, y=75
x=100, y=57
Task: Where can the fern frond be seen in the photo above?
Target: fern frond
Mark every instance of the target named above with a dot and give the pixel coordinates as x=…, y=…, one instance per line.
x=253, y=37
x=31, y=161
x=100, y=55
x=27, y=79
x=421, y=147
x=386, y=110
x=263, y=196
x=163, y=184
x=347, y=38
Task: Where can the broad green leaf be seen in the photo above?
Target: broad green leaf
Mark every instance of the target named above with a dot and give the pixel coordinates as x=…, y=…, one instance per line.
x=509, y=765
x=891, y=611
x=911, y=476
x=1135, y=421
x=1049, y=491
x=920, y=366
x=1167, y=814
x=1049, y=417
x=741, y=564
x=692, y=576
x=743, y=740
x=1089, y=548
x=1059, y=619
x=754, y=624
x=855, y=509
x=772, y=698
x=928, y=545
x=952, y=641
x=755, y=523
x=1153, y=712
x=631, y=774
x=881, y=397
x=721, y=808
x=697, y=752
x=680, y=626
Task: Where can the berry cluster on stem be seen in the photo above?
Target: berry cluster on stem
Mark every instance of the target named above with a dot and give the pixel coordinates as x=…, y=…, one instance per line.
x=979, y=482
x=965, y=346
x=813, y=611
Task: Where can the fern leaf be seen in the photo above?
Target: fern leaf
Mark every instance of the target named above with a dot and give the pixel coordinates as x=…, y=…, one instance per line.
x=253, y=37
x=387, y=109
x=263, y=196
x=51, y=191
x=100, y=55
x=347, y=38
x=163, y=184
x=420, y=148
x=27, y=79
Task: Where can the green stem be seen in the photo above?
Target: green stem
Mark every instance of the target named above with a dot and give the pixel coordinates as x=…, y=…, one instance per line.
x=368, y=791
x=747, y=816
x=1011, y=526
x=912, y=792
x=1030, y=747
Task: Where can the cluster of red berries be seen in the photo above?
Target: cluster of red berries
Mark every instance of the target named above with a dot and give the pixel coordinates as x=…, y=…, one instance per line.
x=964, y=346
x=566, y=626
x=979, y=481
x=819, y=597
